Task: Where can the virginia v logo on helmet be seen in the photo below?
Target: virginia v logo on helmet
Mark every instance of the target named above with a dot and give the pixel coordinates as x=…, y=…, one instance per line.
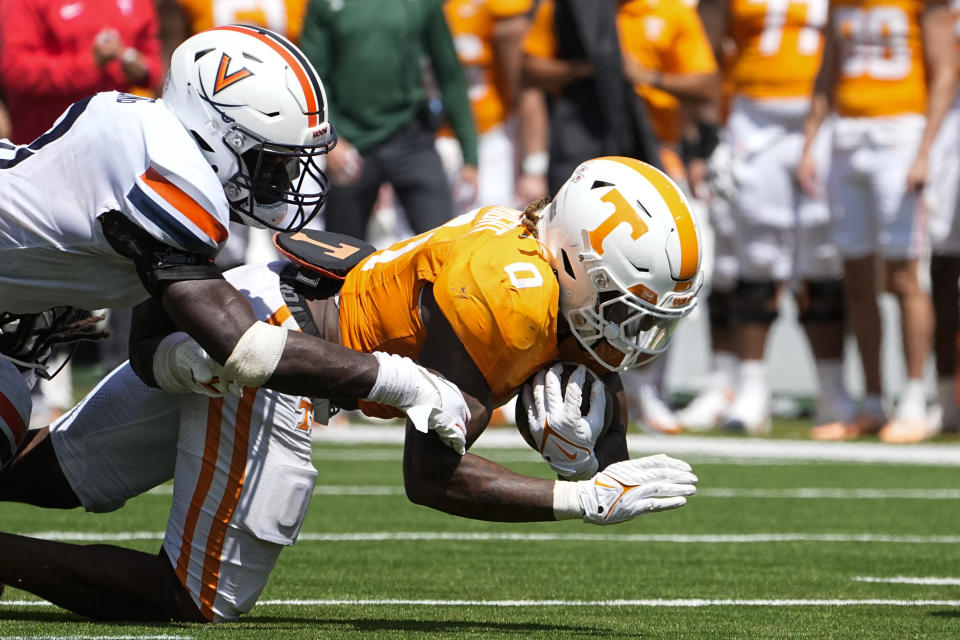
x=626, y=249
x=257, y=109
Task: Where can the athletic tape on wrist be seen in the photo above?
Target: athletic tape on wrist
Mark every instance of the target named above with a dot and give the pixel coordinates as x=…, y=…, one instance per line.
x=164, y=364
x=397, y=381
x=566, y=500
x=256, y=355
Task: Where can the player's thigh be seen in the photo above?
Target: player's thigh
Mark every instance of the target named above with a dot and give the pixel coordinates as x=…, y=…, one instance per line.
x=851, y=205
x=766, y=182
x=903, y=225
x=118, y=442
x=765, y=253
x=15, y=409
x=942, y=195
x=243, y=484
x=817, y=257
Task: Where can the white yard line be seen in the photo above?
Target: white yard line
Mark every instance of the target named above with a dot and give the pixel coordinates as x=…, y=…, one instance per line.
x=799, y=493
x=719, y=448
x=910, y=580
x=388, y=536
x=653, y=602
x=679, y=602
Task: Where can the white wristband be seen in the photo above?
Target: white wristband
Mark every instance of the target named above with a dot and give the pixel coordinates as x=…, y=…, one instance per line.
x=566, y=500
x=535, y=164
x=164, y=363
x=397, y=381
x=256, y=355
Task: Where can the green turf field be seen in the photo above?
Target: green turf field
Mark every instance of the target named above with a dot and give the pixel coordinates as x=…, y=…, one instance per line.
x=765, y=550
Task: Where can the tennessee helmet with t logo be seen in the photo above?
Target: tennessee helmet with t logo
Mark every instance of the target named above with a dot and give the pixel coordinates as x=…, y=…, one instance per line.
x=626, y=249
x=258, y=112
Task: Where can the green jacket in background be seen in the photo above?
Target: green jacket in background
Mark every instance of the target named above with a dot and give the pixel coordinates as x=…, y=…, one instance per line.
x=368, y=54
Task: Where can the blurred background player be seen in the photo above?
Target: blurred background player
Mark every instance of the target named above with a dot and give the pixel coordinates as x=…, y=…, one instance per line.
x=889, y=72
x=667, y=60
x=487, y=35
x=370, y=55
x=55, y=53
x=942, y=198
x=573, y=54
x=783, y=233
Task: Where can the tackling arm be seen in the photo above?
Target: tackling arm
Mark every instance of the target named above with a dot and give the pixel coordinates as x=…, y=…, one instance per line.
x=216, y=315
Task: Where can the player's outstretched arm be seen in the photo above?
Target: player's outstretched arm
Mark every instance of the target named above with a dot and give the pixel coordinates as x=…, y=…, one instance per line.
x=474, y=487
x=255, y=354
x=217, y=316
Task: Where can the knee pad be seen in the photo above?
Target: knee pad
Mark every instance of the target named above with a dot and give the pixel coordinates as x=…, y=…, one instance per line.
x=719, y=309
x=755, y=302
x=824, y=302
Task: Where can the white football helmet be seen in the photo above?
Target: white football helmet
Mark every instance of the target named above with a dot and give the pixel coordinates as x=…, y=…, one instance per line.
x=258, y=111
x=626, y=249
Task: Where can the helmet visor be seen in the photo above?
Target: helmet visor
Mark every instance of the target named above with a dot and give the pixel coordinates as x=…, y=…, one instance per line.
x=621, y=330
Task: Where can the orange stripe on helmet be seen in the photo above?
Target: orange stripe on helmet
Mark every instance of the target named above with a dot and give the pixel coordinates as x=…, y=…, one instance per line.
x=686, y=228
x=186, y=205
x=313, y=100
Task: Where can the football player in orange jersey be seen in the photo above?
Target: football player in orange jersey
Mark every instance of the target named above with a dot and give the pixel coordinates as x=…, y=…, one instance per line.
x=784, y=234
x=601, y=275
x=889, y=74
x=668, y=60
x=942, y=197
x=487, y=35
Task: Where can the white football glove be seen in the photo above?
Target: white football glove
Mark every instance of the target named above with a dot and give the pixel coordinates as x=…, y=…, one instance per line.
x=564, y=437
x=180, y=365
x=625, y=490
x=430, y=401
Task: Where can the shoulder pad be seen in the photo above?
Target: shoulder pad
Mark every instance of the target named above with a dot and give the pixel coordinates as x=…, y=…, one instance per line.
x=322, y=258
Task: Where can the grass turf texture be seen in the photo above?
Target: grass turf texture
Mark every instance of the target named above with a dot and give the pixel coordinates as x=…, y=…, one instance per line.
x=609, y=566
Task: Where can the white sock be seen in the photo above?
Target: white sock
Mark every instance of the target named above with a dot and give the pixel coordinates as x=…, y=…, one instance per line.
x=913, y=400
x=830, y=376
x=724, y=374
x=873, y=405
x=947, y=395
x=753, y=376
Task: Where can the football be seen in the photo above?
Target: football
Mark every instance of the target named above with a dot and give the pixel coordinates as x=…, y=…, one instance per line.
x=568, y=368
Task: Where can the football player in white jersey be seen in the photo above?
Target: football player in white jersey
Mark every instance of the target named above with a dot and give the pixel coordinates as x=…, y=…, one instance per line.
x=242, y=466
x=126, y=198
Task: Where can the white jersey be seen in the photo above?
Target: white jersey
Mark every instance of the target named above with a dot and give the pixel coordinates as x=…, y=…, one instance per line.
x=241, y=467
x=109, y=152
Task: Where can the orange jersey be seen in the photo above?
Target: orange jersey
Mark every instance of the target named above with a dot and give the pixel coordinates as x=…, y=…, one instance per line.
x=662, y=35
x=283, y=16
x=491, y=280
x=778, y=46
x=880, y=57
x=471, y=25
